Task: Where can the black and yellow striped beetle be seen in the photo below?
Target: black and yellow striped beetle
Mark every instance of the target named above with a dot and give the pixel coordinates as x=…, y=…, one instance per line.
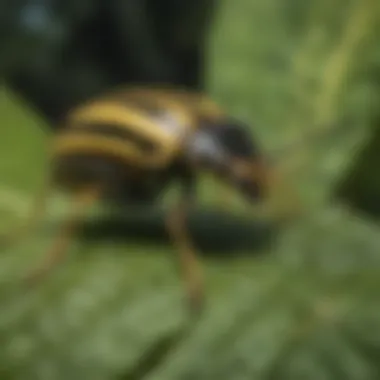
x=140, y=140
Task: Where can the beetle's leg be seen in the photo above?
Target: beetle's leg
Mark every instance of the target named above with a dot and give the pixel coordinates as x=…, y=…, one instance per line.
x=177, y=227
x=82, y=201
x=34, y=217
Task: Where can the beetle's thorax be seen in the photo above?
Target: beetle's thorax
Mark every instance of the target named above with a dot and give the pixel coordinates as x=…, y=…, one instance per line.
x=203, y=149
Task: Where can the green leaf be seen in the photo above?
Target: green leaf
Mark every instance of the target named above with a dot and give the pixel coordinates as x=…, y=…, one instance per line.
x=299, y=304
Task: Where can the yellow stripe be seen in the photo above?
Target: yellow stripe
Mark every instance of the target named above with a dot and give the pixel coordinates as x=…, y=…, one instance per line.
x=99, y=145
x=187, y=104
x=102, y=146
x=172, y=102
x=94, y=144
x=126, y=118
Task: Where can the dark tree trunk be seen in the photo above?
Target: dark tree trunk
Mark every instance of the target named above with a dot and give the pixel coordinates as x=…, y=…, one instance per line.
x=132, y=41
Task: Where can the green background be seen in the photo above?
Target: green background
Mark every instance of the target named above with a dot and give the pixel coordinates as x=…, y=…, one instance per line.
x=300, y=304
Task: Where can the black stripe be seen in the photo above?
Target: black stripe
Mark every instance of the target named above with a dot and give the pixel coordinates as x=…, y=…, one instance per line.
x=109, y=130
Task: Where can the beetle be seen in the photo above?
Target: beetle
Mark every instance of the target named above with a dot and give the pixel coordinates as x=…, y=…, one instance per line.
x=137, y=141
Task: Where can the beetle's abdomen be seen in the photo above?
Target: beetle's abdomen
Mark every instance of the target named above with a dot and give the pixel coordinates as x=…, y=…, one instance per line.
x=118, y=181
x=124, y=129
x=78, y=170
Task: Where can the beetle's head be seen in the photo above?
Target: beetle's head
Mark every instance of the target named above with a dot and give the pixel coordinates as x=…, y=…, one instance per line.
x=228, y=151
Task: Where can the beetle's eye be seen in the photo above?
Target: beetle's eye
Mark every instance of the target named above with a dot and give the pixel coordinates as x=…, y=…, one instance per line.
x=236, y=140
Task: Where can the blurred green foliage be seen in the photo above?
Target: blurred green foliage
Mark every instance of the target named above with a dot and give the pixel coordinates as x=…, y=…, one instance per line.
x=306, y=308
